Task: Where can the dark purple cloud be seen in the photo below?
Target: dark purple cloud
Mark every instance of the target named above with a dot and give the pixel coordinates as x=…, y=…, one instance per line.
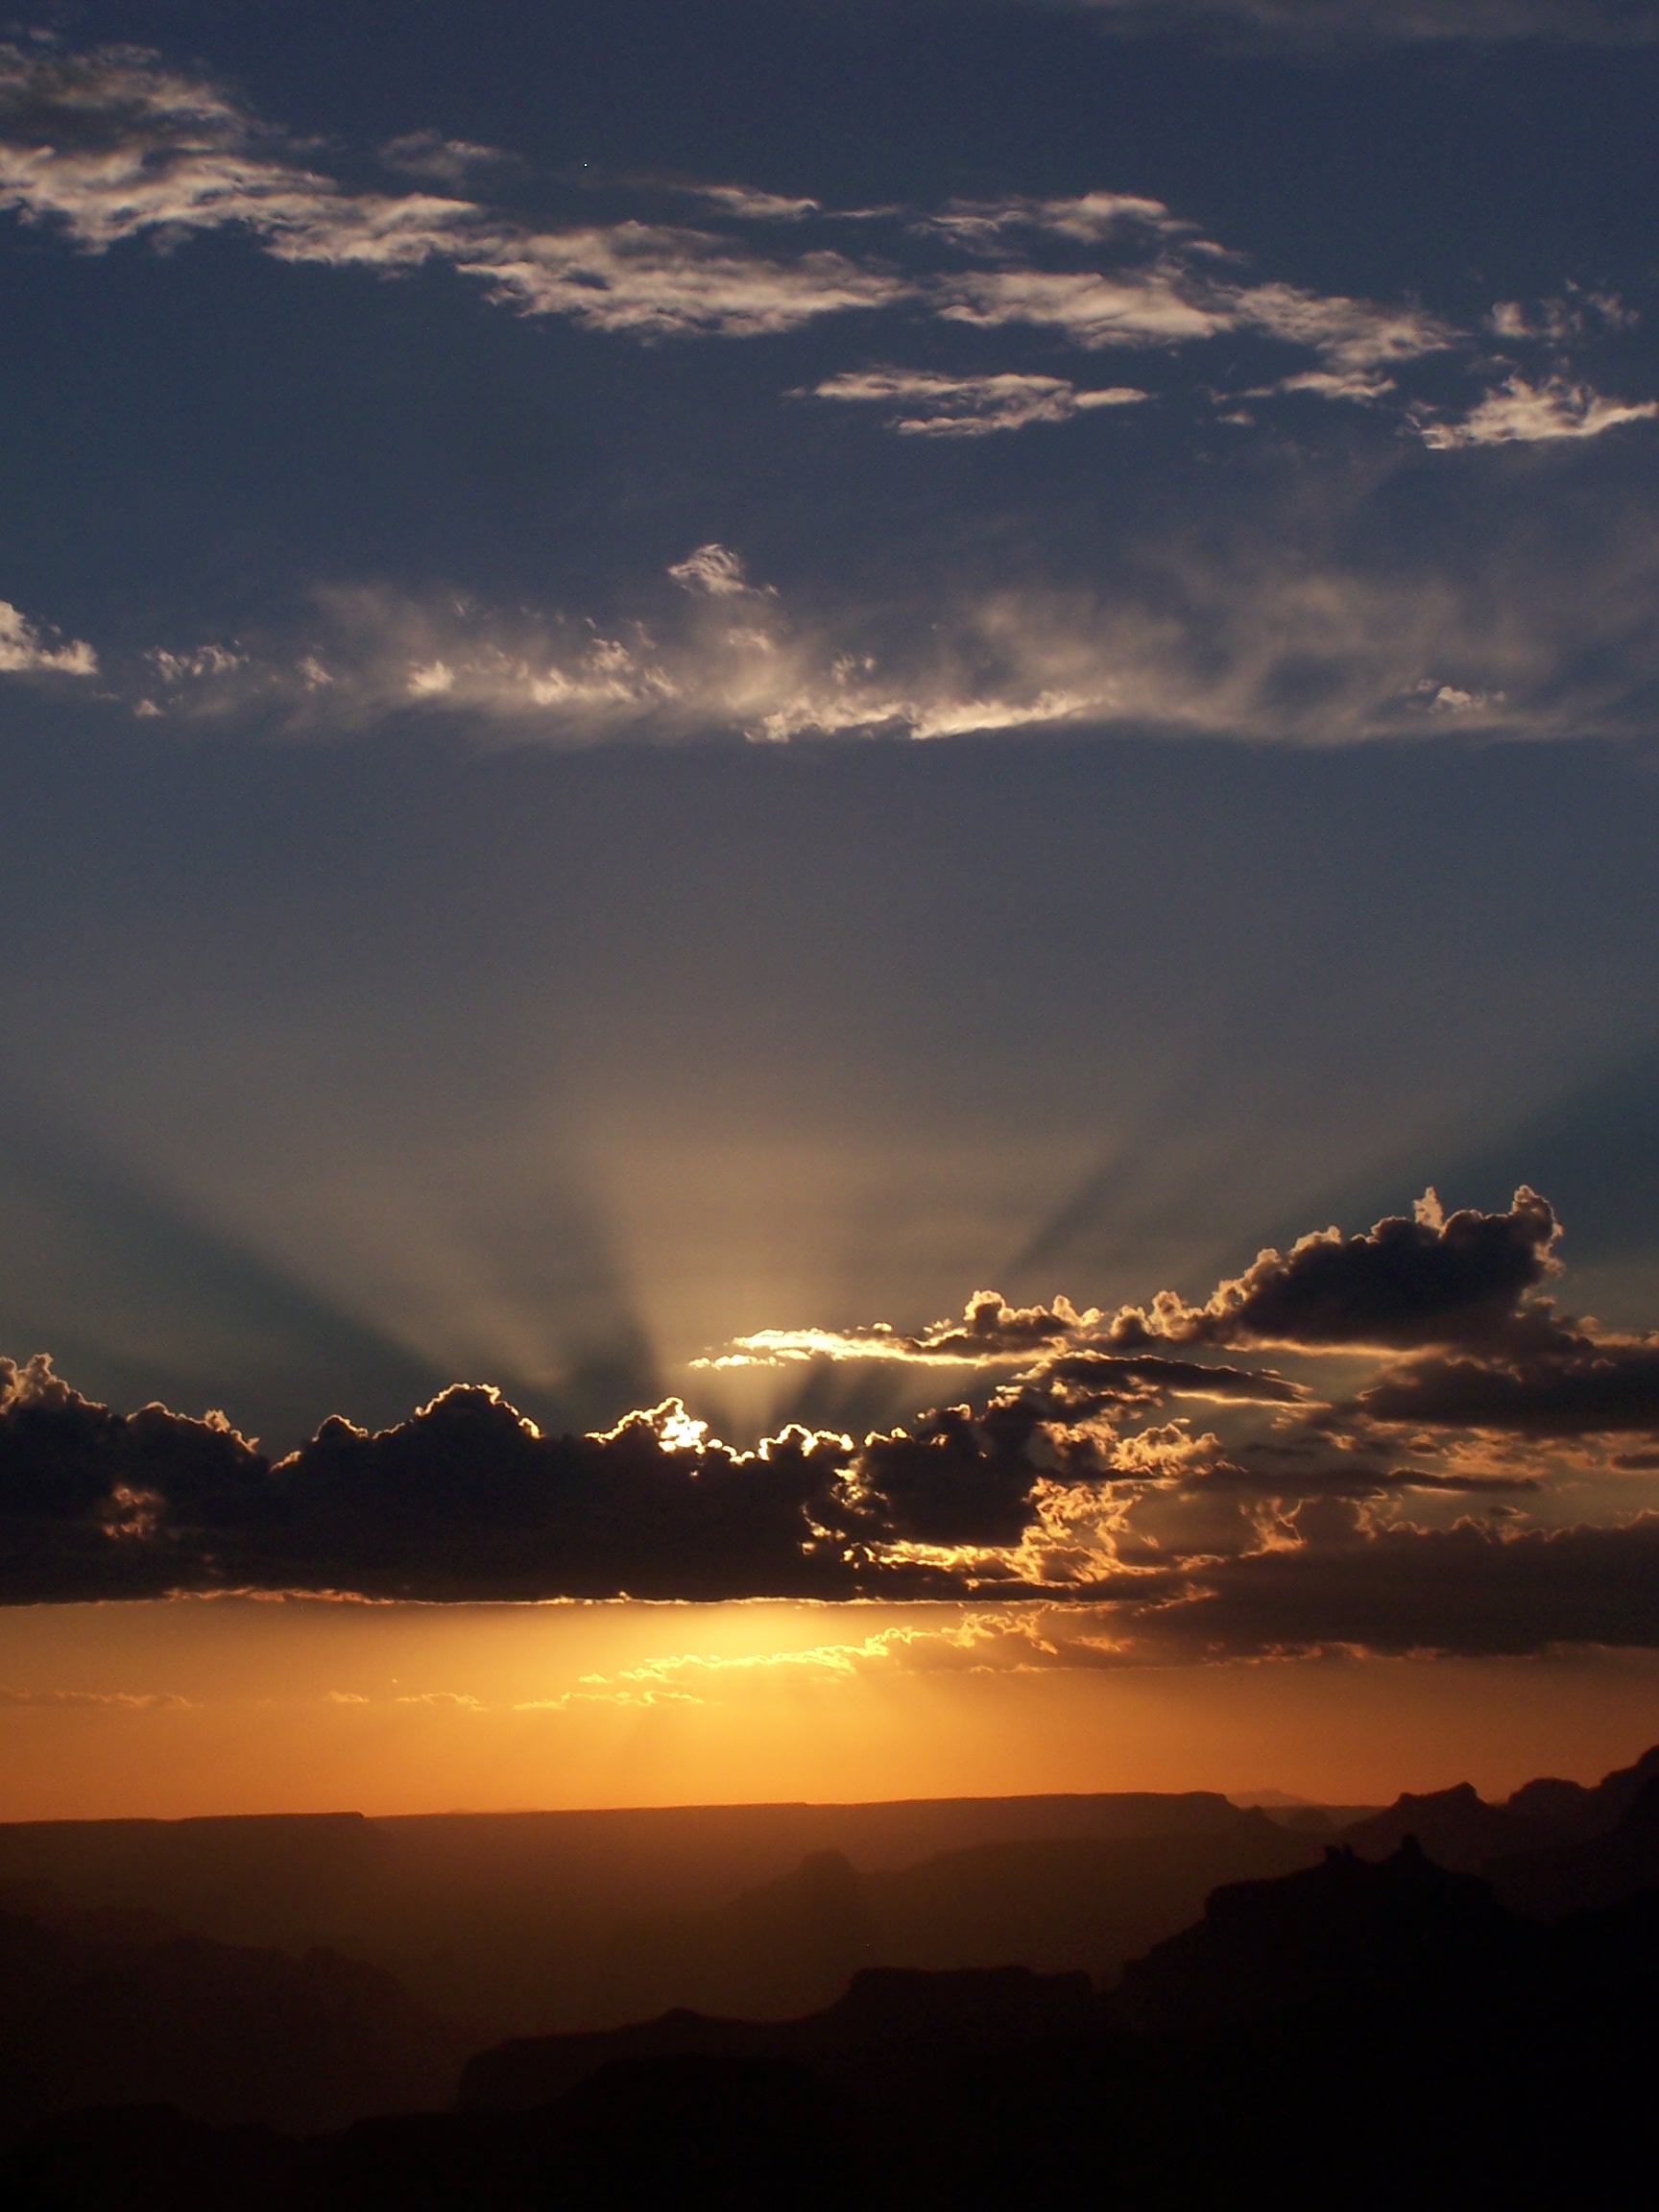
x=1572, y=1385
x=1457, y=1278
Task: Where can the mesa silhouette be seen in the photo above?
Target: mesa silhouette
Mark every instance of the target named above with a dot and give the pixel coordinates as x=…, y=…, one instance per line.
x=1357, y=2014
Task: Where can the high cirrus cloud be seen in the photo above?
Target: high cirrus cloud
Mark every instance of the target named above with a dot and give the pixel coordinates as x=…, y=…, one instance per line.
x=1249, y=636
x=929, y=404
x=1524, y=414
x=114, y=145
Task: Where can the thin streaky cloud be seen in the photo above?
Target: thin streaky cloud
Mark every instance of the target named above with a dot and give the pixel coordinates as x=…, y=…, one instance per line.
x=1524, y=414
x=927, y=403
x=114, y=146
x=747, y=203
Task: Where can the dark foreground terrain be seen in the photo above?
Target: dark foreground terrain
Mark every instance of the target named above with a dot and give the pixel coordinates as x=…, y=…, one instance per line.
x=1379, y=2027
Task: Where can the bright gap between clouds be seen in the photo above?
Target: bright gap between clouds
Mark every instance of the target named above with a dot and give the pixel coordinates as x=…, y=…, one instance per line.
x=183, y=1707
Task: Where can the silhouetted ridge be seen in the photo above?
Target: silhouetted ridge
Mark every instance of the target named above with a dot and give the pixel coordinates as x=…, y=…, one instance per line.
x=1601, y=1870
x=1348, y=1929
x=891, y=2029
x=121, y=2006
x=1375, y=2033
x=788, y=1947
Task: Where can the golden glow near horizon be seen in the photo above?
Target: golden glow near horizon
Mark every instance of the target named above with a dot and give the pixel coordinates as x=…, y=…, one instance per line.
x=239, y=1705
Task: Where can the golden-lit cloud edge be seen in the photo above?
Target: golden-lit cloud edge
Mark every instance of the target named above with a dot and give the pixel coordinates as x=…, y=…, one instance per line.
x=1486, y=1486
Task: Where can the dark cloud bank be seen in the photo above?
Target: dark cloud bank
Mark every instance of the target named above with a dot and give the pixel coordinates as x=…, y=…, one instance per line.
x=1311, y=1521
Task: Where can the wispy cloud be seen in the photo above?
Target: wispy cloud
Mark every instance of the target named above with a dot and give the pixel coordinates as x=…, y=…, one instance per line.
x=1135, y=307
x=930, y=404
x=993, y=227
x=98, y=1700
x=26, y=650
x=445, y=160
x=1267, y=633
x=714, y=570
x=1524, y=414
x=750, y=204
x=116, y=145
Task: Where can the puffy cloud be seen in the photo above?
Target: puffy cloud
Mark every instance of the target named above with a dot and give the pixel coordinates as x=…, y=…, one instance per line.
x=930, y=404
x=1431, y=1278
x=1425, y=1279
x=1524, y=414
x=1291, y=1526
x=24, y=650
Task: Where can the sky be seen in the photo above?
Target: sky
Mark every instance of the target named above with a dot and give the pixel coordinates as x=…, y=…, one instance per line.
x=830, y=892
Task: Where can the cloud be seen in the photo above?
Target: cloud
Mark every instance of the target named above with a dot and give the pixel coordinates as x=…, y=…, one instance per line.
x=1351, y=336
x=750, y=205
x=931, y=404
x=655, y=281
x=990, y=1330
x=24, y=650
x=445, y=160
x=98, y=1700
x=1468, y=1591
x=1091, y=218
x=1094, y=308
x=714, y=570
x=1429, y=1280
x=1289, y=1524
x=1569, y=1385
x=116, y=145
x=1363, y=386
x=1280, y=627
x=1526, y=414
